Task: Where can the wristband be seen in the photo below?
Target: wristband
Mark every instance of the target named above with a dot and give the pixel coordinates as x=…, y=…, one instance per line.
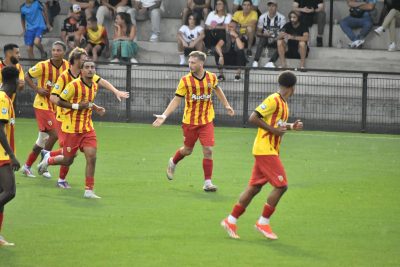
x=163, y=116
x=90, y=105
x=75, y=106
x=291, y=126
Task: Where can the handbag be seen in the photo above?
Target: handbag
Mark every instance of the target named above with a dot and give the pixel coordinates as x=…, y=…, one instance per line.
x=356, y=12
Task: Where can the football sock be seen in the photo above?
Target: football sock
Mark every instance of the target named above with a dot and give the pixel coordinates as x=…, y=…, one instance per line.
x=207, y=182
x=56, y=152
x=208, y=168
x=262, y=220
x=51, y=160
x=232, y=219
x=178, y=157
x=1, y=219
x=89, y=183
x=237, y=211
x=182, y=58
x=267, y=212
x=63, y=172
x=31, y=159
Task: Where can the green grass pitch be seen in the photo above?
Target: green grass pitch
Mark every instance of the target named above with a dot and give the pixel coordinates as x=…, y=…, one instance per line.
x=342, y=207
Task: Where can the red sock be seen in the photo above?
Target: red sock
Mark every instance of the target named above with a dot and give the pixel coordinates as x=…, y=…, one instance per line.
x=63, y=172
x=268, y=210
x=51, y=160
x=237, y=211
x=31, y=158
x=1, y=219
x=207, y=168
x=56, y=152
x=178, y=157
x=89, y=183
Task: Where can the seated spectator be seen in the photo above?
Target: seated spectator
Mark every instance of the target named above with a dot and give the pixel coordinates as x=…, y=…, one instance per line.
x=216, y=23
x=34, y=22
x=268, y=27
x=53, y=9
x=96, y=38
x=247, y=19
x=108, y=9
x=230, y=51
x=74, y=28
x=149, y=8
x=237, y=5
x=199, y=7
x=359, y=18
x=89, y=7
x=390, y=23
x=312, y=11
x=124, y=48
x=294, y=37
x=190, y=37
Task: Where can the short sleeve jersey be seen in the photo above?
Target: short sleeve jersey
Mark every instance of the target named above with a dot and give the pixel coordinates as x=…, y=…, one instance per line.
x=190, y=34
x=240, y=2
x=199, y=108
x=214, y=20
x=7, y=115
x=32, y=13
x=242, y=20
x=96, y=37
x=21, y=74
x=273, y=24
x=273, y=110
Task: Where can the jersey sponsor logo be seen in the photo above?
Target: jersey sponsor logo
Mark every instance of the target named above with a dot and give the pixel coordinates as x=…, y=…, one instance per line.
x=200, y=97
x=50, y=123
x=4, y=111
x=56, y=86
x=263, y=106
x=65, y=91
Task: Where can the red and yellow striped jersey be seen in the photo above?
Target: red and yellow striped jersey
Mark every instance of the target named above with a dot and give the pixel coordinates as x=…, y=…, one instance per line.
x=273, y=110
x=21, y=75
x=46, y=74
x=63, y=80
x=78, y=121
x=96, y=37
x=199, y=108
x=7, y=115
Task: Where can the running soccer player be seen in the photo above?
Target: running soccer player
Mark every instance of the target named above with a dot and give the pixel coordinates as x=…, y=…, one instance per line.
x=8, y=161
x=46, y=72
x=196, y=88
x=77, y=125
x=270, y=117
x=11, y=58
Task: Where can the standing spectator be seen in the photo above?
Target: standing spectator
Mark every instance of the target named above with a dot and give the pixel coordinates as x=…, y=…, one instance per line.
x=230, y=51
x=124, y=48
x=97, y=39
x=109, y=8
x=268, y=27
x=247, y=19
x=199, y=7
x=89, y=7
x=34, y=22
x=149, y=8
x=390, y=23
x=237, y=5
x=312, y=11
x=216, y=23
x=190, y=37
x=294, y=36
x=53, y=9
x=74, y=28
x=359, y=18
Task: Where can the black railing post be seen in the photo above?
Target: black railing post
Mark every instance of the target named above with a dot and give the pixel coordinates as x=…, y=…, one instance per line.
x=129, y=90
x=330, y=23
x=364, y=102
x=246, y=96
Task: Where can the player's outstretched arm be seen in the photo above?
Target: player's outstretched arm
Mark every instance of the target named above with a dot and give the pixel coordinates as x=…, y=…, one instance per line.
x=175, y=102
x=118, y=94
x=221, y=96
x=15, y=165
x=297, y=125
x=259, y=122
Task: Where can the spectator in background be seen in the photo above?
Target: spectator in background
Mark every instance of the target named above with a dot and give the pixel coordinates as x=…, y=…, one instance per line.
x=390, y=23
x=74, y=28
x=230, y=51
x=216, y=23
x=149, y=8
x=53, y=9
x=247, y=19
x=109, y=8
x=359, y=18
x=34, y=22
x=199, y=7
x=294, y=37
x=237, y=5
x=269, y=25
x=89, y=7
x=97, y=39
x=312, y=11
x=190, y=37
x=124, y=48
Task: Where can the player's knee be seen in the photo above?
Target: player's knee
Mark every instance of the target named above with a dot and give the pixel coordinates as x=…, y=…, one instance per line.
x=9, y=195
x=207, y=153
x=68, y=161
x=42, y=139
x=187, y=151
x=283, y=189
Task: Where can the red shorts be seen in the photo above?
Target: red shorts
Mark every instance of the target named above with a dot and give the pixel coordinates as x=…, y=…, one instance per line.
x=75, y=141
x=266, y=169
x=60, y=133
x=46, y=120
x=203, y=132
x=5, y=162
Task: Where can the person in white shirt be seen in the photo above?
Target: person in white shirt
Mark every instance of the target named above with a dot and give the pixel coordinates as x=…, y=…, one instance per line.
x=190, y=37
x=268, y=27
x=145, y=9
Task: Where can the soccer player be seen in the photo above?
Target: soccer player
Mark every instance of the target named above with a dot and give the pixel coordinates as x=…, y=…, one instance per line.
x=77, y=125
x=196, y=88
x=8, y=161
x=76, y=57
x=46, y=72
x=11, y=58
x=270, y=117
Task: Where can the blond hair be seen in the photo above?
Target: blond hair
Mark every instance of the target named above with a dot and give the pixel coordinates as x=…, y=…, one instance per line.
x=198, y=54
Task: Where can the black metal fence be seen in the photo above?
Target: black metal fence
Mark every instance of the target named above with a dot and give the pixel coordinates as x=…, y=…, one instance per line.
x=324, y=99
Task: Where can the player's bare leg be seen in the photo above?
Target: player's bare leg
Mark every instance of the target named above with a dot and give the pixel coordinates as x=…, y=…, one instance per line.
x=90, y=154
x=208, y=168
x=179, y=155
x=52, y=139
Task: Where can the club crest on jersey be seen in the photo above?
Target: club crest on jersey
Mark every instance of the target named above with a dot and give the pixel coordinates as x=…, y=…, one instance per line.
x=280, y=178
x=263, y=106
x=4, y=111
x=68, y=148
x=50, y=123
x=65, y=91
x=200, y=97
x=57, y=86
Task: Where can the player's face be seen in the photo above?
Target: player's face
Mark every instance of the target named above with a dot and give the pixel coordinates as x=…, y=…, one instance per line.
x=16, y=54
x=57, y=52
x=195, y=64
x=88, y=70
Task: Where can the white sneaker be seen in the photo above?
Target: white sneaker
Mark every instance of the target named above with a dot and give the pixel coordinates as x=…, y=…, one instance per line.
x=42, y=167
x=210, y=187
x=358, y=43
x=154, y=38
x=392, y=47
x=270, y=65
x=4, y=242
x=27, y=171
x=255, y=64
x=90, y=194
x=379, y=30
x=133, y=60
x=115, y=60
x=46, y=175
x=171, y=169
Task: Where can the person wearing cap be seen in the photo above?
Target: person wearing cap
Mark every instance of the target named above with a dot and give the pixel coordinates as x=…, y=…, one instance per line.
x=89, y=7
x=268, y=27
x=312, y=11
x=74, y=28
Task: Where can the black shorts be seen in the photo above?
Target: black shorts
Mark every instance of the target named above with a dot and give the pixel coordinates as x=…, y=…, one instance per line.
x=293, y=52
x=98, y=52
x=188, y=50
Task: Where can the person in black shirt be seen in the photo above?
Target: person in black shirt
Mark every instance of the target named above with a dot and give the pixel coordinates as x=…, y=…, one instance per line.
x=294, y=37
x=74, y=28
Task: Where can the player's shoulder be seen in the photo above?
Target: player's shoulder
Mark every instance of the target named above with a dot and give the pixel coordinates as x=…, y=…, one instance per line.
x=272, y=97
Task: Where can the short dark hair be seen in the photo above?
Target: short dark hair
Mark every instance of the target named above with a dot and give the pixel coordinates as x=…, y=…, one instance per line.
x=298, y=14
x=92, y=19
x=9, y=47
x=62, y=44
x=86, y=61
x=9, y=73
x=287, y=79
x=251, y=3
